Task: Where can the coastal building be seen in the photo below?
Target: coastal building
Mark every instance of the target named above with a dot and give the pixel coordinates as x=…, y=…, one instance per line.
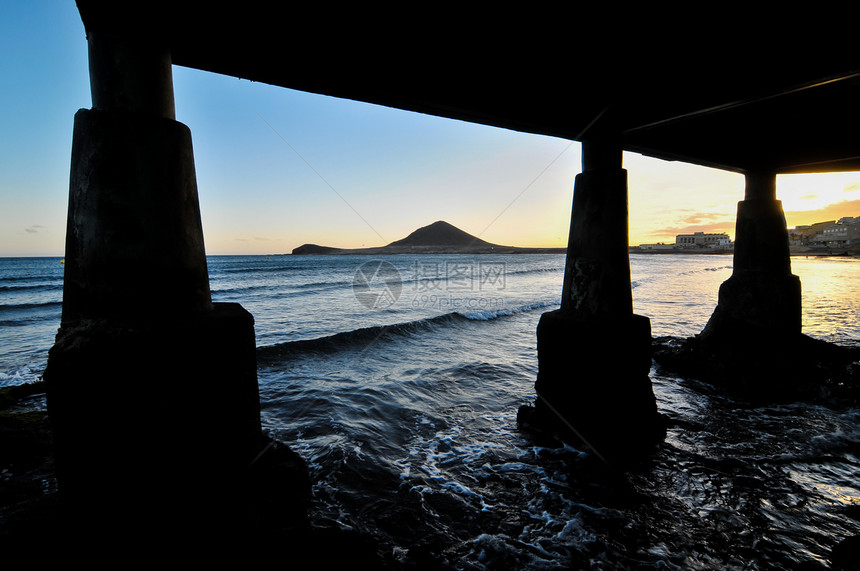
x=703, y=240
x=806, y=235
x=843, y=233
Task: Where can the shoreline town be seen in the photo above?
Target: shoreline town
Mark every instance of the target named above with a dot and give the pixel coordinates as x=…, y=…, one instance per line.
x=833, y=237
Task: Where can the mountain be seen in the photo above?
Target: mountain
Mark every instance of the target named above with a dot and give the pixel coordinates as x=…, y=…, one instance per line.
x=441, y=234
x=437, y=238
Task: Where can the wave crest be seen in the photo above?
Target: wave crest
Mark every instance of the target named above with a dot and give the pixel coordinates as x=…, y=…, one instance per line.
x=365, y=336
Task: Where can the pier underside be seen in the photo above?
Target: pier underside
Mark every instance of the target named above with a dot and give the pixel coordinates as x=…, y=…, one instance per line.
x=712, y=88
x=727, y=104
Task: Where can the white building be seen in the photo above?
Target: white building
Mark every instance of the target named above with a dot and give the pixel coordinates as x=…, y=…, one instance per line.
x=702, y=240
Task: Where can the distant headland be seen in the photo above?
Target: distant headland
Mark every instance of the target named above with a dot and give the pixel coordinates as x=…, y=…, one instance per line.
x=437, y=238
x=444, y=238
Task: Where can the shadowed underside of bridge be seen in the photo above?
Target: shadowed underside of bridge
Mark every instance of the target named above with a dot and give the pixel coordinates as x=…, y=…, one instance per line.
x=745, y=99
x=715, y=89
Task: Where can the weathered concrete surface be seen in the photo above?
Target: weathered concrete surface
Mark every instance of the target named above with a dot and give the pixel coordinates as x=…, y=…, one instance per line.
x=593, y=388
x=132, y=75
x=753, y=343
x=151, y=388
x=597, y=268
x=753, y=339
x=157, y=427
x=134, y=238
x=594, y=353
x=761, y=301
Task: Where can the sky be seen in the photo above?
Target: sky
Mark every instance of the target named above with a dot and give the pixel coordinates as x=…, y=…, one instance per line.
x=278, y=168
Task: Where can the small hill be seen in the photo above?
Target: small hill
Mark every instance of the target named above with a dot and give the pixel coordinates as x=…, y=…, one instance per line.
x=441, y=234
x=314, y=249
x=437, y=238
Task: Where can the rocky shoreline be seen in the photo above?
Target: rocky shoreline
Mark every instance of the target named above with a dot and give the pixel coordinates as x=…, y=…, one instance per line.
x=28, y=487
x=803, y=369
x=33, y=527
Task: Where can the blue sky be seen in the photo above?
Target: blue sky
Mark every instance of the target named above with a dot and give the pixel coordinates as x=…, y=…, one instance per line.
x=278, y=168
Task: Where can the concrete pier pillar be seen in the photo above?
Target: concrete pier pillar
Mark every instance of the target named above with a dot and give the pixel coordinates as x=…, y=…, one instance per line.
x=752, y=343
x=593, y=387
x=152, y=388
x=597, y=268
x=760, y=302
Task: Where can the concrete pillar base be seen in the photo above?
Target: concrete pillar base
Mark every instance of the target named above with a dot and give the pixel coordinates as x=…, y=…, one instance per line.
x=749, y=342
x=761, y=301
x=152, y=388
x=594, y=358
x=593, y=385
x=755, y=308
x=157, y=427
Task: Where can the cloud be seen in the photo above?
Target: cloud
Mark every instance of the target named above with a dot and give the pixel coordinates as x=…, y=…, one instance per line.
x=727, y=226
x=829, y=212
x=719, y=222
x=33, y=229
x=698, y=222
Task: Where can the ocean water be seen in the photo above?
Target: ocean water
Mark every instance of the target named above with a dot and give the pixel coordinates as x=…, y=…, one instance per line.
x=398, y=379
